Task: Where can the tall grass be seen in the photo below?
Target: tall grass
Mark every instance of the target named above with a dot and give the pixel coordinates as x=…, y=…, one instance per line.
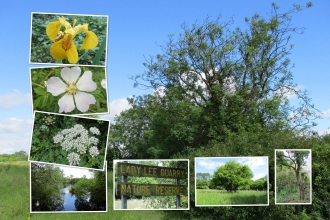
x=15, y=199
x=219, y=197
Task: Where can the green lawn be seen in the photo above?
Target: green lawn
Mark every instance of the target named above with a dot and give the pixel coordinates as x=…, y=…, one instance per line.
x=219, y=197
x=15, y=199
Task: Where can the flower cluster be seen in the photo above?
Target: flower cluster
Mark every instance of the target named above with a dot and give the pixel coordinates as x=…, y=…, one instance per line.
x=49, y=120
x=77, y=140
x=43, y=127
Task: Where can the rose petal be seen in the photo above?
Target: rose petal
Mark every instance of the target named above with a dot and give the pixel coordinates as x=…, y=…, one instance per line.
x=55, y=86
x=86, y=82
x=70, y=75
x=83, y=100
x=66, y=103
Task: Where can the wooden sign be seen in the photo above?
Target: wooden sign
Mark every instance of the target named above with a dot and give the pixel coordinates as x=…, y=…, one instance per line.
x=130, y=169
x=130, y=189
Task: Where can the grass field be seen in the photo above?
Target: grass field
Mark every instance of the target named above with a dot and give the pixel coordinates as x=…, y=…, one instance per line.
x=15, y=200
x=220, y=197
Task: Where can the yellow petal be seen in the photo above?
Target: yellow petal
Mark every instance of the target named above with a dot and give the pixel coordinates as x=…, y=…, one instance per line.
x=80, y=28
x=72, y=54
x=56, y=50
x=90, y=41
x=66, y=24
x=52, y=29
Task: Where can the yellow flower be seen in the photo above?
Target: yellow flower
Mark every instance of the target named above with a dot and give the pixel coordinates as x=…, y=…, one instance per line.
x=63, y=46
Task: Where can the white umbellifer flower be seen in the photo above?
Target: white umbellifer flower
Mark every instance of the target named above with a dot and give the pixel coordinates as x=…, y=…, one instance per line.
x=93, y=151
x=43, y=127
x=94, y=130
x=73, y=158
x=93, y=140
x=73, y=89
x=104, y=83
x=58, y=138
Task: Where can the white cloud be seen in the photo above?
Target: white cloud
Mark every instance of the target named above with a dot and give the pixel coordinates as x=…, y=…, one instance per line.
x=288, y=91
x=10, y=100
x=116, y=106
x=76, y=172
x=253, y=162
x=209, y=164
x=326, y=113
x=15, y=135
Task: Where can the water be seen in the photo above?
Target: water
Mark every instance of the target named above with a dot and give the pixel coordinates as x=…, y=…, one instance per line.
x=69, y=199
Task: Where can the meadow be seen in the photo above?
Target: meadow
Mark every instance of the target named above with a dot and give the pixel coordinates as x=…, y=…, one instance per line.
x=15, y=199
x=222, y=197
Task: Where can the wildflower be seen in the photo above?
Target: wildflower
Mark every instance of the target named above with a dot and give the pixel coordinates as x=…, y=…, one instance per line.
x=73, y=158
x=93, y=151
x=63, y=46
x=73, y=89
x=94, y=130
x=104, y=83
x=43, y=127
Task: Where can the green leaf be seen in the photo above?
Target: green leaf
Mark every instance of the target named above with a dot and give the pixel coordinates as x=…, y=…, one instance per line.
x=99, y=52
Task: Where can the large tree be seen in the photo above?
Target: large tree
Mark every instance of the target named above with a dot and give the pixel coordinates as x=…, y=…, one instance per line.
x=232, y=175
x=212, y=81
x=295, y=160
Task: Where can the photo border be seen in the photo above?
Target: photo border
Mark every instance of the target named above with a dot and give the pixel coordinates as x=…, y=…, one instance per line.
x=69, y=14
x=106, y=147
x=310, y=177
x=57, y=212
x=196, y=205
x=114, y=184
x=70, y=66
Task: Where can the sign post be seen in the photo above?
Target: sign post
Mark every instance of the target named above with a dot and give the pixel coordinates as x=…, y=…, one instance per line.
x=125, y=189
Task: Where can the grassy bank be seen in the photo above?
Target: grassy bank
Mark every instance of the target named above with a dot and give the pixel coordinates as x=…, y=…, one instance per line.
x=15, y=199
x=219, y=197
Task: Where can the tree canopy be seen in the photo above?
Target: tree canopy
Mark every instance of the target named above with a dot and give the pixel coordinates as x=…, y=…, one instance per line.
x=232, y=175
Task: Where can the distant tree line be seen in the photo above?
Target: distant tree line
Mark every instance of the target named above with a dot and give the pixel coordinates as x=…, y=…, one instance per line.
x=17, y=156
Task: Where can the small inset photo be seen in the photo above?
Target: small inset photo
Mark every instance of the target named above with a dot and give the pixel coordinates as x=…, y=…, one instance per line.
x=231, y=181
x=70, y=90
x=293, y=176
x=67, y=189
x=69, y=140
x=151, y=184
x=68, y=39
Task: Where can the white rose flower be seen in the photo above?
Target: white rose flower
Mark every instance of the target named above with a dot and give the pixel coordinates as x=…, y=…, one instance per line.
x=73, y=89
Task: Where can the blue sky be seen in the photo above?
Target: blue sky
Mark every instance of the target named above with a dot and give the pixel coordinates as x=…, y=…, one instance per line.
x=258, y=165
x=136, y=29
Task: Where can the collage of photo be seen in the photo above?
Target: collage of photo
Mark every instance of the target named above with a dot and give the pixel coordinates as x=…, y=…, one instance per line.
x=69, y=91
x=69, y=142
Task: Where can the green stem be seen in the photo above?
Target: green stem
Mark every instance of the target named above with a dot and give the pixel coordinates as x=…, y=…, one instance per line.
x=38, y=85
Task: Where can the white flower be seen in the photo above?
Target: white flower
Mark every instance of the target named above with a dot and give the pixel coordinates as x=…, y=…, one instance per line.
x=93, y=151
x=94, y=130
x=73, y=89
x=104, y=83
x=73, y=158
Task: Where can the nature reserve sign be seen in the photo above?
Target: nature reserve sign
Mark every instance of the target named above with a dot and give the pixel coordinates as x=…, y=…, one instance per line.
x=129, y=189
x=129, y=169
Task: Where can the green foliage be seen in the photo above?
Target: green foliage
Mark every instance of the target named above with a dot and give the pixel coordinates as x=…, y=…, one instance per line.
x=40, y=43
x=232, y=175
x=46, y=182
x=44, y=149
x=45, y=101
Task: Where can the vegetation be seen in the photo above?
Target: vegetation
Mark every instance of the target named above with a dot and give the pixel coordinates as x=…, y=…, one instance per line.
x=45, y=101
x=15, y=199
x=220, y=197
x=292, y=184
x=40, y=43
x=231, y=176
x=60, y=132
x=224, y=91
x=154, y=202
